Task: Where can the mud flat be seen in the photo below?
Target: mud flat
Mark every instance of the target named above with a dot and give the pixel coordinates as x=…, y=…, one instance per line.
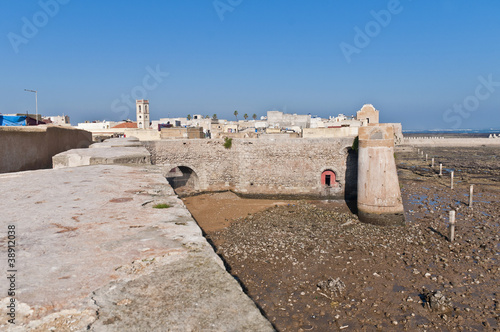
x=216, y=211
x=314, y=266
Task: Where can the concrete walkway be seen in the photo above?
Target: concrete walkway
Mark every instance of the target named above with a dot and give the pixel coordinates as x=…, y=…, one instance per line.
x=93, y=254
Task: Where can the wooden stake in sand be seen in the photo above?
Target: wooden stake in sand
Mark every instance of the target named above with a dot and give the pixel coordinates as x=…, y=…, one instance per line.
x=432, y=163
x=452, y=226
x=471, y=193
x=452, y=174
x=440, y=169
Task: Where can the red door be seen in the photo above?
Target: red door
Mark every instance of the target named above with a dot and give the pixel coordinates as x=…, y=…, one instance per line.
x=328, y=178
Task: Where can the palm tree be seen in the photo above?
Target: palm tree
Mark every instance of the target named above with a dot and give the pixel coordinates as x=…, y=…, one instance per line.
x=207, y=116
x=189, y=117
x=245, y=116
x=214, y=117
x=236, y=115
x=254, y=116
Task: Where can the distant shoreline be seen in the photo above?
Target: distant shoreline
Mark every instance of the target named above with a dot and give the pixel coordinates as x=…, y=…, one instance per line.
x=460, y=133
x=449, y=134
x=449, y=140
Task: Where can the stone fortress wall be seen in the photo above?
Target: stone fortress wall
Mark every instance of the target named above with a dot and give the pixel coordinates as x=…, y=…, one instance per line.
x=256, y=167
x=29, y=148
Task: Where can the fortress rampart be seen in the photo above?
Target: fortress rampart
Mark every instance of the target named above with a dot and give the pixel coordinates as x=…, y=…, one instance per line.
x=29, y=148
x=264, y=167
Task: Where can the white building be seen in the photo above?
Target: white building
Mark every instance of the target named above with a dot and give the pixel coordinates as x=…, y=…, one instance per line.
x=97, y=125
x=59, y=120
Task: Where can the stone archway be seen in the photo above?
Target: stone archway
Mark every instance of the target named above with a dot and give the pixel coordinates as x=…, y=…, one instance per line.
x=183, y=180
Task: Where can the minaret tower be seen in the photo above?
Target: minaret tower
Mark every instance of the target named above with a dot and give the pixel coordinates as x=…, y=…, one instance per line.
x=142, y=110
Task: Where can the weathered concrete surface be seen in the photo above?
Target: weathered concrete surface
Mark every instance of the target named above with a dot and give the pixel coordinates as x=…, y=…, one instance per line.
x=29, y=148
x=111, y=151
x=118, y=142
x=92, y=252
x=116, y=155
x=379, y=194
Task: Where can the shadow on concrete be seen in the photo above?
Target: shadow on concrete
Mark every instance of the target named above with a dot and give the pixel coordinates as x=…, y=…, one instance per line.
x=351, y=181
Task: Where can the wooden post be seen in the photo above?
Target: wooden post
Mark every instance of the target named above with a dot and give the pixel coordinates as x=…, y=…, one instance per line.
x=471, y=193
x=432, y=163
x=426, y=155
x=452, y=174
x=452, y=226
x=440, y=169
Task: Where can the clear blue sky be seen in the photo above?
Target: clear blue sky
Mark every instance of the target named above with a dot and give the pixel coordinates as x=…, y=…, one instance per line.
x=418, y=60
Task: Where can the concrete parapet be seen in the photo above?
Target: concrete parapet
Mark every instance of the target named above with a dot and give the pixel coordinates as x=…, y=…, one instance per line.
x=29, y=148
x=118, y=142
x=379, y=195
x=116, y=155
x=111, y=151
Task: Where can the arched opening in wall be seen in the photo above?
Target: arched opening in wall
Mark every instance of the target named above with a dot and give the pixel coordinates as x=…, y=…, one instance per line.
x=328, y=178
x=183, y=180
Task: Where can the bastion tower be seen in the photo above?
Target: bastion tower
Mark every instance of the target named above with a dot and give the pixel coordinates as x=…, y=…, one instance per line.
x=142, y=110
x=379, y=194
